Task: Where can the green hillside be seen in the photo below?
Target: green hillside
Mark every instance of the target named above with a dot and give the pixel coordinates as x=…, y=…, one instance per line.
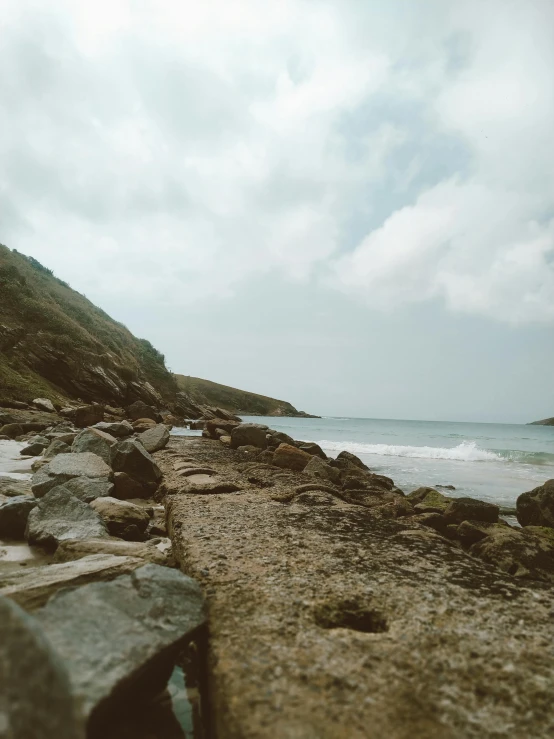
x=234, y=400
x=55, y=343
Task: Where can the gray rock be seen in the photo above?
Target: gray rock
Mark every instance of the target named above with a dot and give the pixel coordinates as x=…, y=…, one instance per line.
x=43, y=404
x=11, y=488
x=155, y=438
x=95, y=441
x=14, y=513
x=123, y=519
x=249, y=434
x=64, y=467
x=88, y=489
x=140, y=409
x=33, y=586
x=133, y=459
x=36, y=701
x=119, y=429
x=58, y=516
x=120, y=639
x=33, y=450
x=353, y=459
x=536, y=508
x=56, y=446
x=12, y=430
x=311, y=448
x=158, y=551
x=316, y=467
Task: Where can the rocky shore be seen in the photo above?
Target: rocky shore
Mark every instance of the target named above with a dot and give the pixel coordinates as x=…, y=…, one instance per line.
x=319, y=599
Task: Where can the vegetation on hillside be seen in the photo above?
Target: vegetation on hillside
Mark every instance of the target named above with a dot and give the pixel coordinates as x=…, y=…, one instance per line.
x=232, y=399
x=55, y=343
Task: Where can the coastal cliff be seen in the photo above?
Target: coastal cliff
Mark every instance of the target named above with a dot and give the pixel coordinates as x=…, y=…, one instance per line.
x=544, y=422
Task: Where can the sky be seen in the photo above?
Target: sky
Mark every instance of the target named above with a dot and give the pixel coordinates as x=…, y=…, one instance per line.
x=347, y=205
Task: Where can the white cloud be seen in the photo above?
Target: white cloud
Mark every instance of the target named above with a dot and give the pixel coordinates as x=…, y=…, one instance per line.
x=168, y=150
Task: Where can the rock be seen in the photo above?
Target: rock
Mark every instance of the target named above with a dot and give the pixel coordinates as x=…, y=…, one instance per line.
x=43, y=404
x=6, y=418
x=291, y=458
x=151, y=614
x=64, y=467
x=58, y=516
x=312, y=448
x=157, y=551
x=315, y=498
x=316, y=467
x=428, y=500
x=88, y=415
x=470, y=509
x=12, y=430
x=132, y=458
x=198, y=425
x=139, y=409
x=33, y=450
x=88, y=489
x=95, y=441
x=57, y=446
x=470, y=532
x=123, y=519
x=249, y=434
x=155, y=438
x=353, y=459
x=143, y=424
x=274, y=438
x=36, y=698
x=536, y=508
x=126, y=487
x=520, y=552
x=68, y=437
x=11, y=488
x=119, y=429
x=33, y=586
x=219, y=423
x=13, y=516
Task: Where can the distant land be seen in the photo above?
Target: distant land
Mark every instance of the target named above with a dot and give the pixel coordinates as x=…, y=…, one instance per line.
x=237, y=401
x=56, y=344
x=544, y=422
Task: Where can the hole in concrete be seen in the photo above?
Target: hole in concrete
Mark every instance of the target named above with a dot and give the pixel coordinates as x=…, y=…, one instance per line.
x=350, y=614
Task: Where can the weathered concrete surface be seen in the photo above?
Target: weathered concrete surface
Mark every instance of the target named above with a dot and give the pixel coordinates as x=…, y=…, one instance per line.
x=327, y=621
x=32, y=587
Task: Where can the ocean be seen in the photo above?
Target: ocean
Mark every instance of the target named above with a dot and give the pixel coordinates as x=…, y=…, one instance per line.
x=490, y=461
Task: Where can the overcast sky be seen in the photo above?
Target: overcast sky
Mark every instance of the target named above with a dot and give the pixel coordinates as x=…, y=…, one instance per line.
x=348, y=205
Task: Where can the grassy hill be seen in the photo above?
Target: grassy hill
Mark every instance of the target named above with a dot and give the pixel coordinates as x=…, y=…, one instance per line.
x=544, y=422
x=55, y=343
x=234, y=400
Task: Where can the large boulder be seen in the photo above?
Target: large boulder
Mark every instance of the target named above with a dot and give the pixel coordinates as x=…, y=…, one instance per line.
x=32, y=587
x=12, y=430
x=14, y=513
x=249, y=434
x=119, y=640
x=36, y=698
x=119, y=429
x=33, y=449
x=143, y=424
x=291, y=458
x=219, y=424
x=353, y=459
x=65, y=467
x=133, y=459
x=58, y=516
x=274, y=438
x=95, y=441
x=311, y=448
x=471, y=509
x=319, y=469
x=527, y=552
x=123, y=519
x=56, y=446
x=126, y=487
x=536, y=508
x=87, y=415
x=43, y=404
x=140, y=409
x=155, y=438
x=88, y=489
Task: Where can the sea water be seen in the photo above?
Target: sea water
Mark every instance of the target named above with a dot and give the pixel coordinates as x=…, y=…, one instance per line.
x=493, y=462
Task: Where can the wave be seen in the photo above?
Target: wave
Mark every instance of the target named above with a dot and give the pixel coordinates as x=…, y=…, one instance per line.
x=467, y=451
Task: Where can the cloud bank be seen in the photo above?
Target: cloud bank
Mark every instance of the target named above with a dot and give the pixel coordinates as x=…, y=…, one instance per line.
x=176, y=150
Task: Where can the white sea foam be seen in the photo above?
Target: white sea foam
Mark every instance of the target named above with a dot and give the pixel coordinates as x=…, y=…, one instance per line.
x=467, y=451
x=11, y=464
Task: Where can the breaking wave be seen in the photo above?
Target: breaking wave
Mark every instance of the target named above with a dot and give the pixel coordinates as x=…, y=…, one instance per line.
x=467, y=451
